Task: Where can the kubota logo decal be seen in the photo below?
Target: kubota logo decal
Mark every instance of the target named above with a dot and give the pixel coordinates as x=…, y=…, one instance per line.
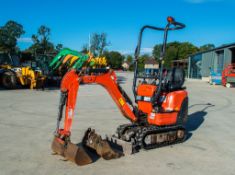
x=121, y=101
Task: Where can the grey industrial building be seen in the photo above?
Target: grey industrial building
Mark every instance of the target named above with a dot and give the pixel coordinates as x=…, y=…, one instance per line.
x=200, y=64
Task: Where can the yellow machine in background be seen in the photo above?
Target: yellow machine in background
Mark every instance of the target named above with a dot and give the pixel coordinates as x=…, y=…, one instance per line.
x=68, y=59
x=99, y=62
x=31, y=78
x=15, y=73
x=11, y=77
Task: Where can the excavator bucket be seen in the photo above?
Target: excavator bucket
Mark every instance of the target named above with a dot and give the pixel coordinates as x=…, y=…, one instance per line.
x=83, y=154
x=72, y=152
x=101, y=146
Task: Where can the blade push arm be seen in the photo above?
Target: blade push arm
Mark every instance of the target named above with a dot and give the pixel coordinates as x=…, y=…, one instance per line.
x=70, y=86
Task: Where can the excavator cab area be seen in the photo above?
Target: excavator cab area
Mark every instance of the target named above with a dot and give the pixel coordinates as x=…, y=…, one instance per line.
x=158, y=95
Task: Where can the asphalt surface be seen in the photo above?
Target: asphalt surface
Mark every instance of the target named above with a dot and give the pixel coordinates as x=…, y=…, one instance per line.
x=28, y=119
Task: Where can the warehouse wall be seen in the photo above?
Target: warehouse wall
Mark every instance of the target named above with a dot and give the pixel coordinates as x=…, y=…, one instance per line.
x=215, y=60
x=227, y=56
x=207, y=63
x=194, y=66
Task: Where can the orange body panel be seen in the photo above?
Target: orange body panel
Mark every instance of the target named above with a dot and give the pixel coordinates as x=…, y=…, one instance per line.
x=171, y=106
x=145, y=90
x=145, y=107
x=162, y=119
x=173, y=100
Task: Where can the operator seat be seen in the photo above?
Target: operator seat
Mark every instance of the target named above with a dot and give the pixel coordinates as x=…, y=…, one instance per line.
x=174, y=79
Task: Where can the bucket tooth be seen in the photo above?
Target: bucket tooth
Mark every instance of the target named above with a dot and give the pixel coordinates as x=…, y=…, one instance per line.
x=101, y=146
x=72, y=152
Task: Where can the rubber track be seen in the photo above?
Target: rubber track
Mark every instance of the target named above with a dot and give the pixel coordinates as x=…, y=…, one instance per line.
x=156, y=130
x=143, y=131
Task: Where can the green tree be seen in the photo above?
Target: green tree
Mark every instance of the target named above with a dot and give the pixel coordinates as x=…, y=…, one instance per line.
x=141, y=61
x=129, y=59
x=175, y=51
x=207, y=47
x=41, y=41
x=85, y=49
x=98, y=43
x=58, y=47
x=114, y=59
x=9, y=33
x=186, y=49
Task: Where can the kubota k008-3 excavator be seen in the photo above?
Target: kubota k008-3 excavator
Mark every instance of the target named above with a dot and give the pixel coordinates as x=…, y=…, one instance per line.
x=157, y=118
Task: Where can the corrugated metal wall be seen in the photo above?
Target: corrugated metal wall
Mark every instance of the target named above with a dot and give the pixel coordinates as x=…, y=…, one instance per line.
x=207, y=63
x=214, y=60
x=227, y=56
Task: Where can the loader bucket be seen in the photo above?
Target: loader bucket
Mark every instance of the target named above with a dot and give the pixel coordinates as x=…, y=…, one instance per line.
x=72, y=152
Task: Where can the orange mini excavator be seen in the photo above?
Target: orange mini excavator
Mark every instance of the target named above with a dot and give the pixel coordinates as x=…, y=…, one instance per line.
x=157, y=118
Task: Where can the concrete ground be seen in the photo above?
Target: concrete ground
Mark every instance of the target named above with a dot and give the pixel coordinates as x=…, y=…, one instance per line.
x=28, y=119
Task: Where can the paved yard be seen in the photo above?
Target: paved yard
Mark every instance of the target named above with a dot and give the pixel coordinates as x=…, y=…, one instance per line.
x=28, y=119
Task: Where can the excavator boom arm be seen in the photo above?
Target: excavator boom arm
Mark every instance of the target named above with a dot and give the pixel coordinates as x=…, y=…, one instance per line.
x=70, y=86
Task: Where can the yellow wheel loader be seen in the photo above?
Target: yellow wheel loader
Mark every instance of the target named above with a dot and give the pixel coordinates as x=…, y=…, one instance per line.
x=12, y=76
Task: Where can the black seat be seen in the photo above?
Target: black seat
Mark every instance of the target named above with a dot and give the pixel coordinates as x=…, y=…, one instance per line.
x=174, y=79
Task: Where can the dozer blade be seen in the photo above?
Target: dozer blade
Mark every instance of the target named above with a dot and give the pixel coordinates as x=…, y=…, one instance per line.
x=126, y=147
x=72, y=152
x=102, y=147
